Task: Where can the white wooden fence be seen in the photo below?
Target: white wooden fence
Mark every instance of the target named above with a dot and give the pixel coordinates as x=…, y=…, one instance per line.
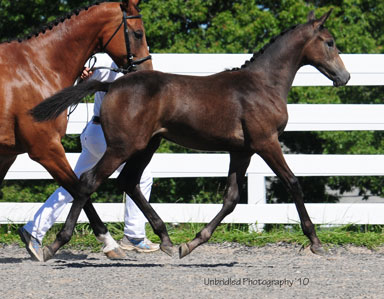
x=365, y=70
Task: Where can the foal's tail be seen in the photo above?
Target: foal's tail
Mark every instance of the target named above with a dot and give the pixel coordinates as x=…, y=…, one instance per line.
x=53, y=106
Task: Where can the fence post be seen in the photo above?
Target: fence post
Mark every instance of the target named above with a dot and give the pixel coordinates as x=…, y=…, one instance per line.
x=256, y=195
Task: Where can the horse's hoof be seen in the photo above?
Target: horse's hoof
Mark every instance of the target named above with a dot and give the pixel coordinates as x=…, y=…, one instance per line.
x=47, y=253
x=318, y=249
x=184, y=250
x=167, y=249
x=116, y=254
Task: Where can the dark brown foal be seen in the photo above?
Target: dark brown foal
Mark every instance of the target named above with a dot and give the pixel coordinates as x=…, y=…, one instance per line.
x=242, y=111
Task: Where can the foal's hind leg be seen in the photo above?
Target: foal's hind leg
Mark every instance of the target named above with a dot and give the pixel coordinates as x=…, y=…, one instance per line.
x=111, y=249
x=129, y=180
x=238, y=166
x=56, y=163
x=273, y=156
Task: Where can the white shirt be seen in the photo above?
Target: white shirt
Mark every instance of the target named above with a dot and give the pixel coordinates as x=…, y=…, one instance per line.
x=103, y=75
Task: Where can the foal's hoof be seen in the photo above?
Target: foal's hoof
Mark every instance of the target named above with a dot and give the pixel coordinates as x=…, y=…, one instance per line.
x=167, y=249
x=116, y=254
x=318, y=249
x=47, y=253
x=183, y=250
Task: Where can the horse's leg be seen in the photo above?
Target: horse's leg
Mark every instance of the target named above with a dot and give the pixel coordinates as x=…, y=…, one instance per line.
x=5, y=163
x=237, y=168
x=273, y=156
x=57, y=165
x=129, y=181
x=111, y=249
x=96, y=223
x=89, y=182
x=61, y=171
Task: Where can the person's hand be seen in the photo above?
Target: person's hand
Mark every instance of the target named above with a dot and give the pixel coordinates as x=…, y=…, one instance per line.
x=86, y=73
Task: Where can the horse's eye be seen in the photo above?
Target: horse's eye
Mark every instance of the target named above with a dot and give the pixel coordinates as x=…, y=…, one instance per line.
x=138, y=34
x=330, y=43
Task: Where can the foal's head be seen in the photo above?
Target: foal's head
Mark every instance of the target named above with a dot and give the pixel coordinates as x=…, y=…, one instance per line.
x=116, y=41
x=321, y=51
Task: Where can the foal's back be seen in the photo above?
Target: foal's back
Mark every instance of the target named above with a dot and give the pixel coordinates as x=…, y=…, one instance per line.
x=207, y=113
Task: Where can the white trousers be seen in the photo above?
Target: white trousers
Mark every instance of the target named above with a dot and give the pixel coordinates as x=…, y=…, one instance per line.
x=93, y=147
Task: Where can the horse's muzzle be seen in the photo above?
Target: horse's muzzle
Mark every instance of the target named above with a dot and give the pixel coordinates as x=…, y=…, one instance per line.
x=342, y=80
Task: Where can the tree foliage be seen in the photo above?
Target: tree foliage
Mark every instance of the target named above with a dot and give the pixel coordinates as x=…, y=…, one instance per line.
x=243, y=26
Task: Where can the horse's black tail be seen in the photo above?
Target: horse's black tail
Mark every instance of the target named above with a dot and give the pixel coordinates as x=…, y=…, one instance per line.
x=52, y=107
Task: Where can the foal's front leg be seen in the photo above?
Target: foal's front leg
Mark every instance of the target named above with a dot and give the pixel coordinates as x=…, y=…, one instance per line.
x=154, y=219
x=129, y=180
x=273, y=156
x=238, y=166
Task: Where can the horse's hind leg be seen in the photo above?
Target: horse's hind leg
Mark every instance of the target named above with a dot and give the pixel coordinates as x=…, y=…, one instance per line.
x=89, y=182
x=273, y=156
x=5, y=163
x=237, y=168
x=129, y=180
x=96, y=223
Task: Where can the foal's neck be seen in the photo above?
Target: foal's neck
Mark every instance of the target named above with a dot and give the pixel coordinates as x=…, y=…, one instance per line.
x=282, y=59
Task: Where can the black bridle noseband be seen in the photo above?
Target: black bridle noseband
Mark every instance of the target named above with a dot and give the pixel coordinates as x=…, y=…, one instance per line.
x=131, y=64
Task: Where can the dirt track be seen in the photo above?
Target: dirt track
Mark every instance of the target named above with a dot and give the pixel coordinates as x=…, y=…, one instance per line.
x=211, y=271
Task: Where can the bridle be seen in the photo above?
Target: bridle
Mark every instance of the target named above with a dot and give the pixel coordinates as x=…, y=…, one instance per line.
x=131, y=64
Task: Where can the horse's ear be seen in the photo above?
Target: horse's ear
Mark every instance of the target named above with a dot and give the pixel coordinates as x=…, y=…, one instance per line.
x=320, y=22
x=125, y=4
x=311, y=16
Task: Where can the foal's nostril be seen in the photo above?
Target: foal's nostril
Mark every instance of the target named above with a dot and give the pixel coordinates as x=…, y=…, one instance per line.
x=348, y=77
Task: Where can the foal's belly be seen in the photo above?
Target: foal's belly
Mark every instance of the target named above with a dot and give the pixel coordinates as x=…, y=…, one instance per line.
x=206, y=140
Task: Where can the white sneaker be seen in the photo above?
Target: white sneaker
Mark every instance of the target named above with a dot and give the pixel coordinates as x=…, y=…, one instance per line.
x=140, y=245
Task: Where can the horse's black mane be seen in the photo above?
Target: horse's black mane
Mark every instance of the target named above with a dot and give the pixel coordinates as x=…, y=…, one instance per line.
x=262, y=50
x=54, y=23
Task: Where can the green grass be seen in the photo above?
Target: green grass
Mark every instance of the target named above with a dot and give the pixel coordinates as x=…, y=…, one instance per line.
x=83, y=238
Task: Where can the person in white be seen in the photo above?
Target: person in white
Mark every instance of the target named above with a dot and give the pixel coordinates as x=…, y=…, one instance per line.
x=93, y=147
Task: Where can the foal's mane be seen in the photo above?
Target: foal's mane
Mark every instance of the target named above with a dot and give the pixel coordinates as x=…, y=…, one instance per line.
x=54, y=23
x=263, y=49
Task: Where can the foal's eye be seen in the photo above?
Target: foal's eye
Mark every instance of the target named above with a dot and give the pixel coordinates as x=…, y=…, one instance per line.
x=330, y=43
x=138, y=34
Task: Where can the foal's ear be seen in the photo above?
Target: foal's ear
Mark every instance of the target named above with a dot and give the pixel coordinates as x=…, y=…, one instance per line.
x=311, y=16
x=320, y=22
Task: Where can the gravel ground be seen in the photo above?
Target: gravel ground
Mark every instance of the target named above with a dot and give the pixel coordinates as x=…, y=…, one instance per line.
x=212, y=271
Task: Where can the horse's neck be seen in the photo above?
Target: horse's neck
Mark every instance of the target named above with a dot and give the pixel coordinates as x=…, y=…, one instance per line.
x=62, y=51
x=280, y=62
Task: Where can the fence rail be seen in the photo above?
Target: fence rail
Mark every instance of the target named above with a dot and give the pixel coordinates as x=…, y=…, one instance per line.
x=365, y=70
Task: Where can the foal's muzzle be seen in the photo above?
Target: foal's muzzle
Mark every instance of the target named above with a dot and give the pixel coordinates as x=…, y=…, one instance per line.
x=342, y=80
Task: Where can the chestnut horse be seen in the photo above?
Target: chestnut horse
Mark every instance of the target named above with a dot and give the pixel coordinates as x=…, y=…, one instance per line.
x=241, y=111
x=37, y=67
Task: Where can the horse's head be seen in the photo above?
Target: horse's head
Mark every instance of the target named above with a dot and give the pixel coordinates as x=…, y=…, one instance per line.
x=125, y=40
x=321, y=51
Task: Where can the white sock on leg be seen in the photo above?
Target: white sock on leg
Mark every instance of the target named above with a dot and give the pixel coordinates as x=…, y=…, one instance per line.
x=109, y=242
